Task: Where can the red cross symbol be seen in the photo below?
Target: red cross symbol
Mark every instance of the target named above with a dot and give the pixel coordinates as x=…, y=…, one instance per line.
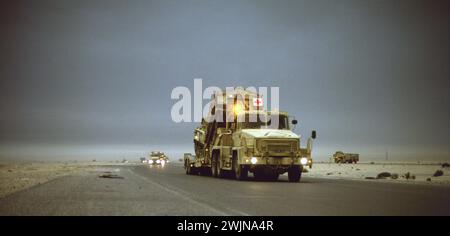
x=257, y=102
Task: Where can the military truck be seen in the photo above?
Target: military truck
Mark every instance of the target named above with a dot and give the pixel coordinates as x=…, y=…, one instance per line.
x=238, y=136
x=157, y=158
x=341, y=157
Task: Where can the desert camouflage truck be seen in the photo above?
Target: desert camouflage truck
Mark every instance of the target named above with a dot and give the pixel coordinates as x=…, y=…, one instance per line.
x=341, y=157
x=157, y=158
x=247, y=141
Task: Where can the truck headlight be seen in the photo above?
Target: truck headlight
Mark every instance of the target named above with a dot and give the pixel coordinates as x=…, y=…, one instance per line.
x=158, y=161
x=150, y=161
x=253, y=160
x=303, y=160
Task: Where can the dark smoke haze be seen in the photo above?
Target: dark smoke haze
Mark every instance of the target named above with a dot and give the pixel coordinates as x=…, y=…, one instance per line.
x=92, y=78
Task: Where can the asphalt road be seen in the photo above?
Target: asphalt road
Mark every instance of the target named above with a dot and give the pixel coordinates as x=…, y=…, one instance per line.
x=145, y=190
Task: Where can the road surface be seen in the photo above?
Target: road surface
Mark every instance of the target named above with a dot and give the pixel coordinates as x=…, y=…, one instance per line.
x=144, y=190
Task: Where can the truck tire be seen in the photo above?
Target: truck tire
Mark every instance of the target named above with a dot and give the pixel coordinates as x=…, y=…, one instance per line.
x=191, y=170
x=187, y=166
x=295, y=173
x=222, y=173
x=214, y=165
x=241, y=172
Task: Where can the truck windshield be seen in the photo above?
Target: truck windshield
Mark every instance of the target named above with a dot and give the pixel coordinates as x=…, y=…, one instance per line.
x=262, y=121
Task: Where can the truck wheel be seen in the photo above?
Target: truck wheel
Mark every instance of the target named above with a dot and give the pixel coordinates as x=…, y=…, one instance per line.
x=191, y=170
x=214, y=166
x=187, y=166
x=241, y=172
x=188, y=169
x=221, y=173
x=294, y=173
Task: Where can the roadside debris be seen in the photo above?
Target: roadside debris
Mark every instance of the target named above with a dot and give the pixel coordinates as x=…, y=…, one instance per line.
x=109, y=175
x=438, y=173
x=408, y=175
x=383, y=175
x=405, y=173
x=394, y=176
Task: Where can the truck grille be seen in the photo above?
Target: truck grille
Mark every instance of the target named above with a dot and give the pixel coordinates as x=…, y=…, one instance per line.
x=279, y=146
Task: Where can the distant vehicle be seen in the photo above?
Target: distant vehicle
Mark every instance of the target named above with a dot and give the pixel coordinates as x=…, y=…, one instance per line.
x=157, y=158
x=242, y=144
x=341, y=157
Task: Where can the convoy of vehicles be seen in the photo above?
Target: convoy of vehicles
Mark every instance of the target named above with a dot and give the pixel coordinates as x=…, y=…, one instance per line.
x=240, y=137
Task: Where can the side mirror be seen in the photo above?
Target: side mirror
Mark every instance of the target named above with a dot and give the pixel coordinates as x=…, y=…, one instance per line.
x=313, y=134
x=294, y=122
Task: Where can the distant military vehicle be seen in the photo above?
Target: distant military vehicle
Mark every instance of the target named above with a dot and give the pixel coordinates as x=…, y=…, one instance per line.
x=247, y=141
x=341, y=157
x=157, y=158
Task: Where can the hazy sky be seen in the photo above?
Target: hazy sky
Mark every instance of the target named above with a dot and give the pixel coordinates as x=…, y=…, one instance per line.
x=368, y=75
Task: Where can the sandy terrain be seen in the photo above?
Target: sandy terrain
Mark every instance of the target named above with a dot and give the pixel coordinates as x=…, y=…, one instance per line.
x=423, y=173
x=21, y=175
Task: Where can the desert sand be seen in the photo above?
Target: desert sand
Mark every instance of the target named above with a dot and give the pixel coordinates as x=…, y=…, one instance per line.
x=419, y=173
x=16, y=176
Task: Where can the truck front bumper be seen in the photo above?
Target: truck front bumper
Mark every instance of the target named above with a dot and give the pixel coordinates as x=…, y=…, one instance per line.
x=277, y=161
